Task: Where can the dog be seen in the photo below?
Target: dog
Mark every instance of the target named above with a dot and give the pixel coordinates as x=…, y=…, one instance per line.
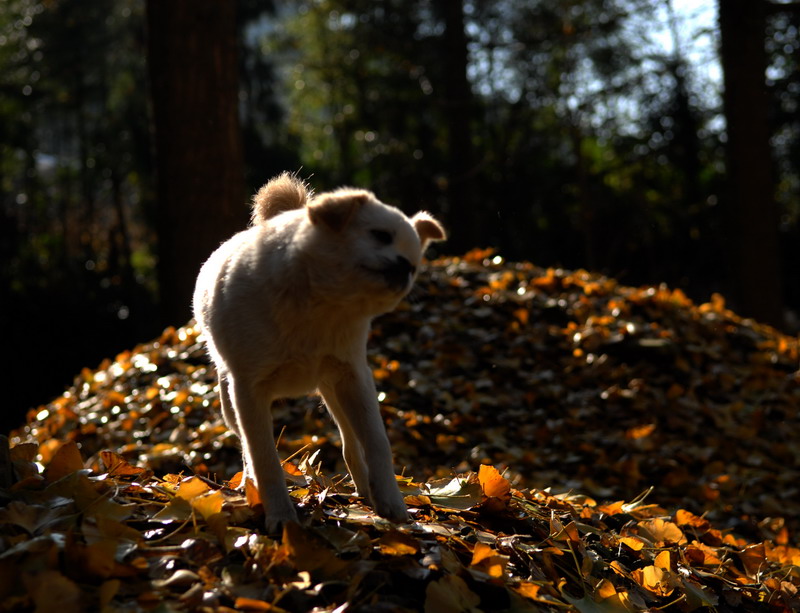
x=285, y=308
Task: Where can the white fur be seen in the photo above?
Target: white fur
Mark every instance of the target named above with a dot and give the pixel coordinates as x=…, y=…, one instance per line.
x=285, y=307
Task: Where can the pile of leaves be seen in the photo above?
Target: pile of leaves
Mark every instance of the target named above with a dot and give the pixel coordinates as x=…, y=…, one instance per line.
x=583, y=393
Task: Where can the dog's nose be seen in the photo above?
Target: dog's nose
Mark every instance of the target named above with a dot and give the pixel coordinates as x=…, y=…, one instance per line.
x=398, y=273
x=403, y=266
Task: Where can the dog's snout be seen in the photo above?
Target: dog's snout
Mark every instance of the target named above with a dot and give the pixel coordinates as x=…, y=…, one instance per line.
x=398, y=272
x=403, y=266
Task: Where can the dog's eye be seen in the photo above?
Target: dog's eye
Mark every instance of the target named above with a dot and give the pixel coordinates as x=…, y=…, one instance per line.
x=382, y=236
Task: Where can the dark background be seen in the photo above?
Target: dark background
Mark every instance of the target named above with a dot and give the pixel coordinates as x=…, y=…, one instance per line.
x=585, y=134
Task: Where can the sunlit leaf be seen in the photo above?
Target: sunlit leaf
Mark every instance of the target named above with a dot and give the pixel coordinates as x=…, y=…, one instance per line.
x=395, y=543
x=487, y=560
x=454, y=493
x=661, y=531
x=493, y=483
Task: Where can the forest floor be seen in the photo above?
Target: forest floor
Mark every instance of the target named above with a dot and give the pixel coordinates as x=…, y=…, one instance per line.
x=568, y=444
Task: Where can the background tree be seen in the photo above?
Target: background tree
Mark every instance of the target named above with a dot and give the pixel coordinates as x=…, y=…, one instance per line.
x=75, y=245
x=751, y=184
x=579, y=133
x=192, y=58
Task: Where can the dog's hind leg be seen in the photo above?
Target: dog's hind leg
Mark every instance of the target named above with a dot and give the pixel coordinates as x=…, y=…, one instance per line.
x=229, y=416
x=254, y=417
x=353, y=401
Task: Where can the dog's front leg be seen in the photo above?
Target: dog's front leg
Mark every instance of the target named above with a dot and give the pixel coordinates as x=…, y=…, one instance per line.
x=353, y=402
x=254, y=416
x=351, y=446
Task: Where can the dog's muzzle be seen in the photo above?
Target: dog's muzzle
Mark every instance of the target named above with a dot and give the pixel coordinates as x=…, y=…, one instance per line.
x=398, y=274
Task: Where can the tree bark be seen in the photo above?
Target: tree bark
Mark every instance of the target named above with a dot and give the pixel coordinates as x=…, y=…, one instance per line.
x=462, y=206
x=751, y=188
x=192, y=57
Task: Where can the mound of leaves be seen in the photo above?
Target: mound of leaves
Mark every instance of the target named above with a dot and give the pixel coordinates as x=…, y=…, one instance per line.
x=582, y=392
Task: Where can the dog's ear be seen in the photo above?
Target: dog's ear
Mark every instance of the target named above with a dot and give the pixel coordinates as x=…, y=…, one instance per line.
x=336, y=209
x=428, y=228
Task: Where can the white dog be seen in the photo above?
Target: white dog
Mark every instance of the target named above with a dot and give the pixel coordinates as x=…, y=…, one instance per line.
x=285, y=307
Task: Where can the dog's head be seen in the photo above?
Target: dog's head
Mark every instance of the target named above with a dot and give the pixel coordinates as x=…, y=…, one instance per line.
x=373, y=245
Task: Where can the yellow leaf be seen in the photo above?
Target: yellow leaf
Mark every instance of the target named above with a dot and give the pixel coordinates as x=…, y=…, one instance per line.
x=191, y=488
x=662, y=560
x=632, y=542
x=605, y=589
x=487, y=560
x=656, y=580
x=208, y=504
x=395, y=543
x=662, y=532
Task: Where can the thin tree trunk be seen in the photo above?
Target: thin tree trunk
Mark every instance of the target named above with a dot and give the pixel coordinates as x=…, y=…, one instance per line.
x=462, y=207
x=751, y=186
x=193, y=68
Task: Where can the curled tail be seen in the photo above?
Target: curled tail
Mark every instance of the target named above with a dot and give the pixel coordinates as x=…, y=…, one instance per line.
x=283, y=193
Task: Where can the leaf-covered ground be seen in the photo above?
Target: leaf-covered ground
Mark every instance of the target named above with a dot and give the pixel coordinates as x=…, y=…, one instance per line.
x=646, y=448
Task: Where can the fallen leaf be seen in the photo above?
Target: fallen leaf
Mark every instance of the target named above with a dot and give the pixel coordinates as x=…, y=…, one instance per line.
x=450, y=593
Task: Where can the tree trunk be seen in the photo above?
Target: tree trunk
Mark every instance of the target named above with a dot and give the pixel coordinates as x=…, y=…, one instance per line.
x=751, y=189
x=462, y=208
x=194, y=80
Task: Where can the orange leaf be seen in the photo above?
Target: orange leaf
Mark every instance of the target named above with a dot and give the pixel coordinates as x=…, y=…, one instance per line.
x=698, y=554
x=66, y=460
x=116, y=464
x=235, y=481
x=528, y=589
x=251, y=604
x=309, y=551
x=754, y=559
x=493, y=483
x=783, y=554
x=395, y=543
x=251, y=494
x=487, y=560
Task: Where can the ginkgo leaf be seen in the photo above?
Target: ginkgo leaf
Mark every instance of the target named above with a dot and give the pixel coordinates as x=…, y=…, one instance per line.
x=208, y=504
x=552, y=376
x=66, y=460
x=454, y=493
x=662, y=531
x=450, y=593
x=191, y=488
x=493, y=483
x=395, y=543
x=487, y=560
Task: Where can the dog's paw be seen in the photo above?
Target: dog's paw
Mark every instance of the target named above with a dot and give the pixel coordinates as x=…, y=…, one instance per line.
x=273, y=523
x=392, y=508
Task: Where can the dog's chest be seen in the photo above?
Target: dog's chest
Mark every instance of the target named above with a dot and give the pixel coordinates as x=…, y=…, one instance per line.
x=306, y=354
